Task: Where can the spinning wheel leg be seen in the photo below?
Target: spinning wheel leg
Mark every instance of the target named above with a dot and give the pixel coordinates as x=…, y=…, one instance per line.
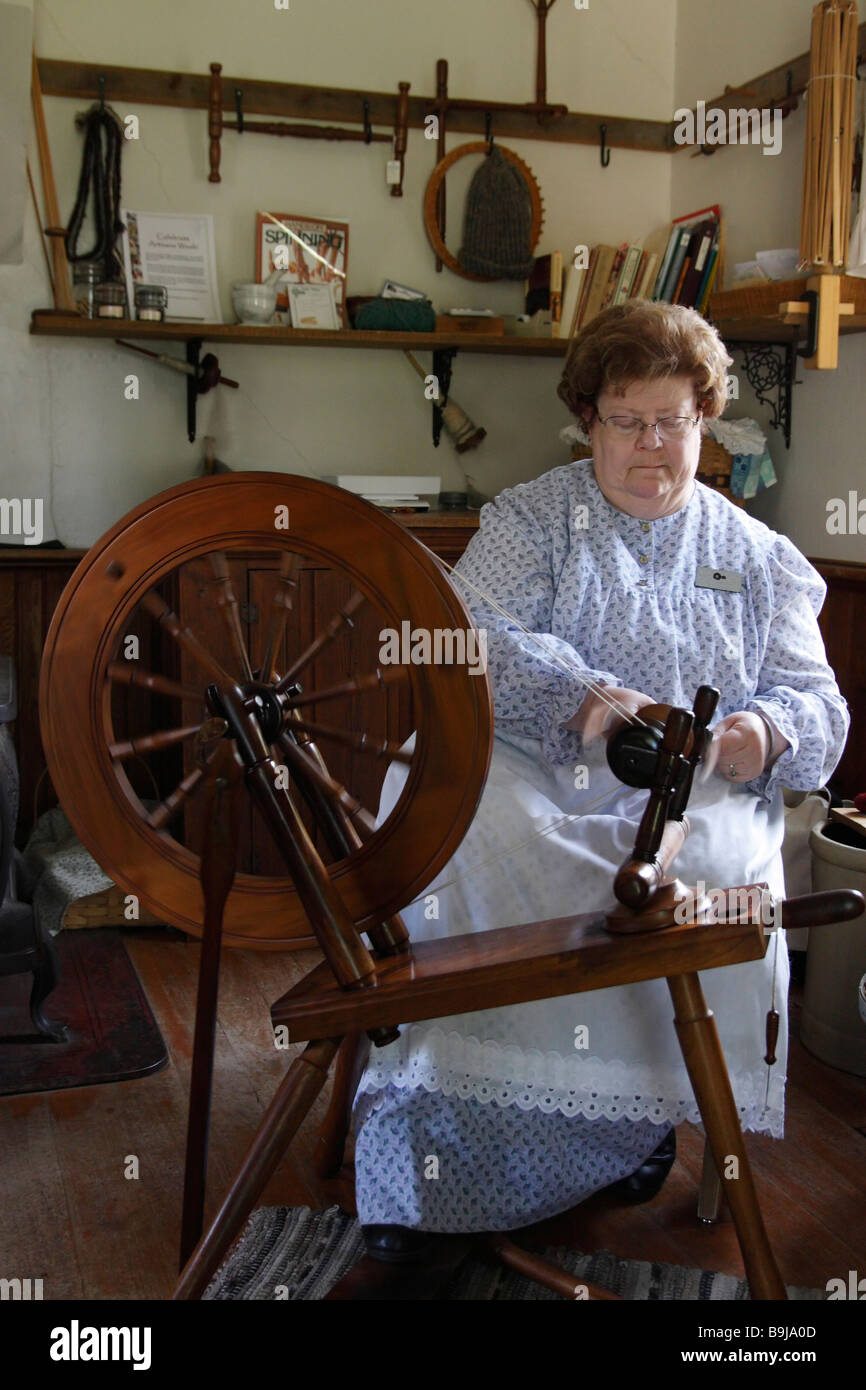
x=291, y=1103
x=705, y=1063
x=217, y=875
x=351, y=1060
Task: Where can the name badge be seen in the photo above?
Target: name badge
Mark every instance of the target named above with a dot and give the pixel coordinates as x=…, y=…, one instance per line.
x=708, y=578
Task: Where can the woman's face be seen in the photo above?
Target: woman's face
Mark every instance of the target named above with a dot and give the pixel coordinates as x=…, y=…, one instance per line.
x=646, y=476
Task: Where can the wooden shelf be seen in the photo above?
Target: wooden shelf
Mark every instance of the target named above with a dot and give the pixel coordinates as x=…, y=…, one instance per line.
x=51, y=324
x=752, y=314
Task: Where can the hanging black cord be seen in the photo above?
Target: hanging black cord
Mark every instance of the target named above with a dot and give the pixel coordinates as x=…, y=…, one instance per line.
x=100, y=176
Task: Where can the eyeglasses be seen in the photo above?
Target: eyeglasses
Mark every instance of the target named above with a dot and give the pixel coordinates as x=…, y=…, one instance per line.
x=673, y=427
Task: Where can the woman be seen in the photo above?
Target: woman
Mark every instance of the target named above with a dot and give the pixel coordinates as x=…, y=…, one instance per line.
x=497, y=1119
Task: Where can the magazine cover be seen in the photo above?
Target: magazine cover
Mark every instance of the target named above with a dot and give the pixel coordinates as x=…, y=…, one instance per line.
x=322, y=259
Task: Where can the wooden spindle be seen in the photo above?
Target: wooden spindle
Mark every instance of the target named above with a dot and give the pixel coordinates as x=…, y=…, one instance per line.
x=227, y=602
x=340, y=620
x=357, y=686
x=63, y=297
x=401, y=132
x=150, y=743
x=442, y=114
x=215, y=121
x=127, y=673
x=281, y=605
x=361, y=743
x=166, y=811
x=171, y=623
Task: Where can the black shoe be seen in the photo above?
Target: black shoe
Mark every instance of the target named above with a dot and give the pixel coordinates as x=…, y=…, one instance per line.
x=649, y=1179
x=398, y=1244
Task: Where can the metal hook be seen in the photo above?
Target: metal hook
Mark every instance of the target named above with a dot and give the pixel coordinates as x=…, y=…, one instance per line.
x=239, y=108
x=488, y=131
x=604, y=151
x=368, y=129
x=101, y=84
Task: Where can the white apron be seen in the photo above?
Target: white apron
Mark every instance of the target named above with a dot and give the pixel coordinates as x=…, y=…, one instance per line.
x=627, y=1064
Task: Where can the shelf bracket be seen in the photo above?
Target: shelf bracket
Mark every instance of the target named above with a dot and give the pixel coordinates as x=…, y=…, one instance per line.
x=443, y=362
x=771, y=367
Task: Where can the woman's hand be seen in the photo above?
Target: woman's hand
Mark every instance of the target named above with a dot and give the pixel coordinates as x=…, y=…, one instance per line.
x=600, y=715
x=741, y=746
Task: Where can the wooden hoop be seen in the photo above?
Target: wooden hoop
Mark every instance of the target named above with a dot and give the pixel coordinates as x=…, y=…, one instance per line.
x=452, y=708
x=432, y=192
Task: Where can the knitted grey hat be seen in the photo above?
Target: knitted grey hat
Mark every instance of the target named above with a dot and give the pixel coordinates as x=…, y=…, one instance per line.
x=497, y=224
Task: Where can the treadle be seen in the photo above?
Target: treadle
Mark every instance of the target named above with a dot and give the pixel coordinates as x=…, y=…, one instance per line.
x=513, y=965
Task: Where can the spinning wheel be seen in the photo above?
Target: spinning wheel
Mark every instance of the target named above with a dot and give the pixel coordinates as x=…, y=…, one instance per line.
x=248, y=713
x=87, y=668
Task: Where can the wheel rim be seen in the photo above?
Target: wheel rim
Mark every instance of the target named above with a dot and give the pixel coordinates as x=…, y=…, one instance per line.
x=235, y=512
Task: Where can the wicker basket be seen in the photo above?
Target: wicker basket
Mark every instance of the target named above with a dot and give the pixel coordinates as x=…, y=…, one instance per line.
x=714, y=468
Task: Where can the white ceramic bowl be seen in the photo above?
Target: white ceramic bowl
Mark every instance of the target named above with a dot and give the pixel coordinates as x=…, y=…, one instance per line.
x=254, y=303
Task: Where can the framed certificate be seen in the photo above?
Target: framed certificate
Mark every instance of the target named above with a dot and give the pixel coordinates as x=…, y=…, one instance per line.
x=313, y=306
x=175, y=250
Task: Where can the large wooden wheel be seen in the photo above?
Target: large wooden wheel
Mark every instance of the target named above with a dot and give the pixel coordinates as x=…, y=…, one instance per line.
x=89, y=667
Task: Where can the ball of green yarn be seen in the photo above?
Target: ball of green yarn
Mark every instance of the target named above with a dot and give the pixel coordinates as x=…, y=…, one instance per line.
x=397, y=316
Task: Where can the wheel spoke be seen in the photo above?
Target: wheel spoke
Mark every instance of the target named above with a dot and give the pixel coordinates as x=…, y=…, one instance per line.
x=362, y=743
x=298, y=758
x=227, y=602
x=125, y=673
x=150, y=743
x=340, y=620
x=159, y=609
x=160, y=816
x=282, y=604
x=357, y=686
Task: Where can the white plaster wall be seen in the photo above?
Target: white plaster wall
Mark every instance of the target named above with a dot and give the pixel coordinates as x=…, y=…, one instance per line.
x=719, y=44
x=67, y=433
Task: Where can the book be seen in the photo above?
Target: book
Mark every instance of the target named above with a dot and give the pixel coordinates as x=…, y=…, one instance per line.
x=584, y=291
x=555, y=291
x=627, y=274
x=646, y=276
x=699, y=250
x=615, y=272
x=707, y=287
x=573, y=284
x=598, y=289
x=671, y=280
x=673, y=238
x=317, y=254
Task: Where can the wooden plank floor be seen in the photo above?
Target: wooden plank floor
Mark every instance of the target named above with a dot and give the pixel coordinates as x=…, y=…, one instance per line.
x=72, y=1218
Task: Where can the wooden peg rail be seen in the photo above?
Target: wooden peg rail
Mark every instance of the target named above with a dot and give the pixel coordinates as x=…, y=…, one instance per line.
x=217, y=124
x=191, y=91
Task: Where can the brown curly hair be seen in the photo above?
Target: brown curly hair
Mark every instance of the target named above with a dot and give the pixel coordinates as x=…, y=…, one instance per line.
x=642, y=341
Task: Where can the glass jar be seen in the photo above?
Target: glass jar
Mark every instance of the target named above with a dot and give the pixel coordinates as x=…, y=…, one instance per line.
x=151, y=302
x=86, y=275
x=109, y=299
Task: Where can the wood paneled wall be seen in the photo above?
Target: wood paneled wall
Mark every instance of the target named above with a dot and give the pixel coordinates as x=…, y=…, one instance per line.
x=843, y=624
